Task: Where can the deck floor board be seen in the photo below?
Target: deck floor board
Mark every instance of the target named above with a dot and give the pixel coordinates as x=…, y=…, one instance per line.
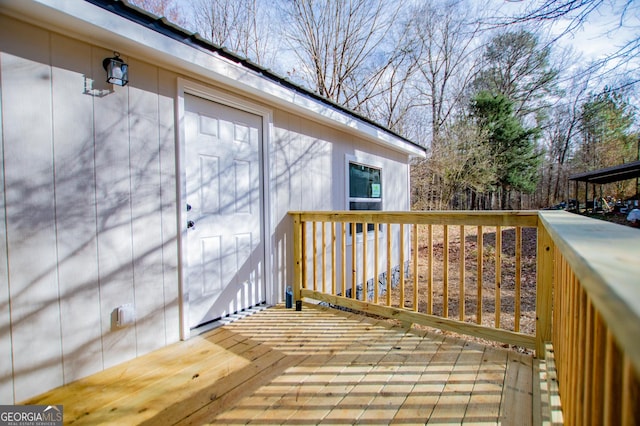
x=317, y=366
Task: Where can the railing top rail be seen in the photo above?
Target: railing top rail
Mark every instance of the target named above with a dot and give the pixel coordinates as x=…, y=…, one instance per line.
x=605, y=258
x=470, y=218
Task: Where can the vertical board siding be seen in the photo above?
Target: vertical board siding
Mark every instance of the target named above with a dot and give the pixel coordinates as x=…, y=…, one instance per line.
x=278, y=177
x=113, y=194
x=90, y=211
x=307, y=172
x=146, y=205
x=75, y=208
x=169, y=206
x=6, y=366
x=31, y=238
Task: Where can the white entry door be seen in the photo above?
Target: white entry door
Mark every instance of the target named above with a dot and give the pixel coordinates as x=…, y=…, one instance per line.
x=225, y=252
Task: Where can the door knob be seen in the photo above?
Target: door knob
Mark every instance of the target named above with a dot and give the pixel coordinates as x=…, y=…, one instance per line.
x=191, y=224
x=188, y=207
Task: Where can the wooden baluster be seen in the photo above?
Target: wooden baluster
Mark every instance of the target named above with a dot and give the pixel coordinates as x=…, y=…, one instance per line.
x=580, y=355
x=415, y=267
x=480, y=246
x=445, y=273
x=516, y=324
x=388, y=264
x=365, y=227
x=333, y=259
x=599, y=355
x=430, y=270
x=498, y=274
x=298, y=256
x=376, y=259
x=461, y=298
x=401, y=265
x=314, y=251
x=324, y=257
x=612, y=383
x=588, y=362
x=353, y=260
x=630, y=394
x=343, y=243
x=303, y=256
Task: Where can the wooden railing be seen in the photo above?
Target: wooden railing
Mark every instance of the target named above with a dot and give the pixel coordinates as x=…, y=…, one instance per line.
x=453, y=271
x=596, y=319
x=466, y=248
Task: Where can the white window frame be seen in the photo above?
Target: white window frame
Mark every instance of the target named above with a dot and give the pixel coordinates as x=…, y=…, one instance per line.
x=352, y=159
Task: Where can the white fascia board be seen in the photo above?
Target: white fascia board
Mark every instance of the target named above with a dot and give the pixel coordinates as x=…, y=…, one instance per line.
x=101, y=27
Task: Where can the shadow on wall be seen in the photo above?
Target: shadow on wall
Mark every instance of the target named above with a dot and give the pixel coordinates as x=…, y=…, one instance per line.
x=90, y=215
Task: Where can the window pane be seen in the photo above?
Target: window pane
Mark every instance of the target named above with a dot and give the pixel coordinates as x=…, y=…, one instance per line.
x=364, y=205
x=364, y=182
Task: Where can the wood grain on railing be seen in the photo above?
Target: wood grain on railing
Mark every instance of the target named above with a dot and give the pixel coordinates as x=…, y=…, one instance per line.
x=518, y=279
x=376, y=255
x=388, y=266
x=353, y=263
x=416, y=274
x=364, y=260
x=445, y=272
x=461, y=292
x=479, y=280
x=498, y=274
x=430, y=269
x=596, y=318
x=314, y=254
x=401, y=263
x=334, y=271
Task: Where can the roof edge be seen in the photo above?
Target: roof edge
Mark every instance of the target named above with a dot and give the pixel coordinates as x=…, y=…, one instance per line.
x=611, y=174
x=161, y=25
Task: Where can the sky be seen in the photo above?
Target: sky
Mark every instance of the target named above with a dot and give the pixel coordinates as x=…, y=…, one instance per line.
x=602, y=34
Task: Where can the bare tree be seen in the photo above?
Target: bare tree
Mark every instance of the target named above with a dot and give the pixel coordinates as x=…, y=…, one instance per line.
x=572, y=15
x=335, y=42
x=242, y=26
x=462, y=165
x=518, y=66
x=560, y=136
x=444, y=45
x=446, y=51
x=390, y=96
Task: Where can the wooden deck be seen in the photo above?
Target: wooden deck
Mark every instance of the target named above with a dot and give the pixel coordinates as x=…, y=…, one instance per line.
x=317, y=366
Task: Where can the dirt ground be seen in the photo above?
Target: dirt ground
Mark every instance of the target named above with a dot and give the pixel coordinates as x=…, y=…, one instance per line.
x=506, y=283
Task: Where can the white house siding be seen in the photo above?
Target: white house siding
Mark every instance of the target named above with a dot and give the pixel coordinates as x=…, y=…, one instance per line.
x=89, y=185
x=308, y=172
x=88, y=214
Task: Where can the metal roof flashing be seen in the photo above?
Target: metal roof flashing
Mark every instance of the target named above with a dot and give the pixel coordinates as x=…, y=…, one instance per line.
x=167, y=42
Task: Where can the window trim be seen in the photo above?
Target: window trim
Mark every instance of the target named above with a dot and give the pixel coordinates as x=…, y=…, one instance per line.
x=352, y=159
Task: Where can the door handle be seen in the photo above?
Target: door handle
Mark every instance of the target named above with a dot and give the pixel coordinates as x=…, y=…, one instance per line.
x=191, y=224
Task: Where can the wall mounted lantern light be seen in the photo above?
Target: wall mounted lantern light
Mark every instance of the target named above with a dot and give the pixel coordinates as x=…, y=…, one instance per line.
x=117, y=70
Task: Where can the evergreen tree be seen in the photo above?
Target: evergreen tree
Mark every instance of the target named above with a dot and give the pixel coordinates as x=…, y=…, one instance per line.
x=511, y=145
x=607, y=139
x=518, y=67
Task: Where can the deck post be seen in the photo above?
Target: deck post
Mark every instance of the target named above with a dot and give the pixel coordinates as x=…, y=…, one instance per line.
x=297, y=255
x=544, y=290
